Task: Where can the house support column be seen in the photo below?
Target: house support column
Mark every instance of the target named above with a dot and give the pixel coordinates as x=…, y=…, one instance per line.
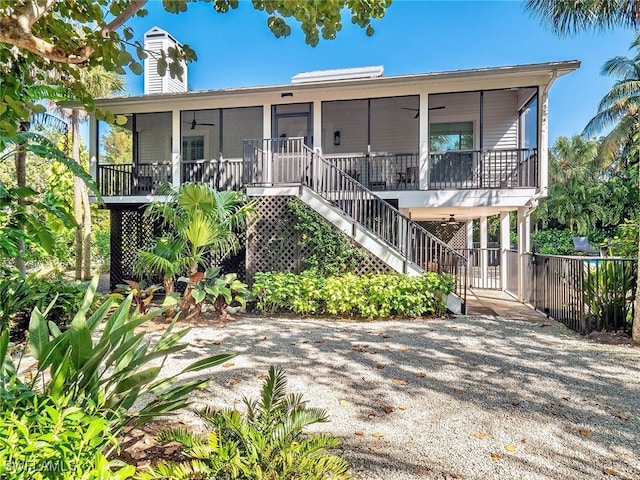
x=523, y=241
x=505, y=243
x=93, y=148
x=484, y=253
x=175, y=149
x=469, y=227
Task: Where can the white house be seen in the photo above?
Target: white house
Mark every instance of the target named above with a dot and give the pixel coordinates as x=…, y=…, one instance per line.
x=377, y=155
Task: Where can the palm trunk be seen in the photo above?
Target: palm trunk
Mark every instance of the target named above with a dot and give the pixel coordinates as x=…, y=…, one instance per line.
x=635, y=328
x=21, y=181
x=77, y=199
x=86, y=215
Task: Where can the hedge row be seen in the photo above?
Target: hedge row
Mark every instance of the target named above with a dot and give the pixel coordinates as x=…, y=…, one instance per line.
x=371, y=296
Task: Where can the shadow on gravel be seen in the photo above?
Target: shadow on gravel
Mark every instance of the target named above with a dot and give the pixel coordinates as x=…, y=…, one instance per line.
x=465, y=375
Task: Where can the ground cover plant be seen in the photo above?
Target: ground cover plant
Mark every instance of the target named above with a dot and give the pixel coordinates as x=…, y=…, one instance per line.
x=369, y=296
x=266, y=442
x=102, y=366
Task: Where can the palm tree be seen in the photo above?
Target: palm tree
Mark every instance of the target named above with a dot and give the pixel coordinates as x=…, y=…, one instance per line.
x=571, y=16
x=199, y=222
x=99, y=83
x=568, y=17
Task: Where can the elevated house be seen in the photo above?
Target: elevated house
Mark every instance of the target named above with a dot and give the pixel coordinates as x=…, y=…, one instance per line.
x=394, y=161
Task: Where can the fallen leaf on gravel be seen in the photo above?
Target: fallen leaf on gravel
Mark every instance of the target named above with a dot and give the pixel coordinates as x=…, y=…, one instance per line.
x=228, y=364
x=480, y=435
x=217, y=342
x=372, y=414
x=585, y=433
x=510, y=448
x=383, y=335
x=524, y=440
x=319, y=341
x=373, y=352
x=305, y=341
x=545, y=324
x=379, y=367
x=262, y=376
x=621, y=416
x=359, y=433
x=387, y=410
x=171, y=450
x=453, y=475
x=378, y=434
x=556, y=404
x=138, y=455
x=374, y=448
x=344, y=403
x=420, y=374
x=402, y=407
x=402, y=349
x=610, y=471
x=458, y=391
x=495, y=457
x=292, y=343
x=515, y=404
x=397, y=381
x=235, y=381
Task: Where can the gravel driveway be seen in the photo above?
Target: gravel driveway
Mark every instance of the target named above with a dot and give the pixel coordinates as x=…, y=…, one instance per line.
x=454, y=398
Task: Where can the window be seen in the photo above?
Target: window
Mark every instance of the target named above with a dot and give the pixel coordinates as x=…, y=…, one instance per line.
x=529, y=124
x=451, y=136
x=193, y=148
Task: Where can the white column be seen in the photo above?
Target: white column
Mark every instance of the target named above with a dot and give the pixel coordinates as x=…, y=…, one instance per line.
x=266, y=133
x=424, y=141
x=505, y=243
x=543, y=146
x=469, y=234
x=484, y=254
x=522, y=213
x=93, y=147
x=175, y=148
x=317, y=126
x=527, y=231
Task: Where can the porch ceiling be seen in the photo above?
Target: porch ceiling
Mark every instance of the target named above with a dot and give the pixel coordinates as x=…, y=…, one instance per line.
x=461, y=214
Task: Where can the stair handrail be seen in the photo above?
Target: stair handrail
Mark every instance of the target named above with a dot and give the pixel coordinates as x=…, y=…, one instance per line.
x=311, y=169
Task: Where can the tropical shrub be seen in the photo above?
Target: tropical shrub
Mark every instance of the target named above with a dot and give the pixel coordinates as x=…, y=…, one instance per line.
x=219, y=290
x=46, y=438
x=371, y=296
x=102, y=360
x=327, y=249
x=625, y=242
x=609, y=291
x=19, y=295
x=267, y=442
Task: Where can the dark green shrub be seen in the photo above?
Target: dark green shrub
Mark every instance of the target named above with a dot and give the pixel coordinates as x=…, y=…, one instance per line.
x=329, y=251
x=609, y=292
x=265, y=443
x=46, y=438
x=371, y=296
x=111, y=368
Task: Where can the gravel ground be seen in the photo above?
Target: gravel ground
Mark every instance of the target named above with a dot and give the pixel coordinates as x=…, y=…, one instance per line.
x=453, y=398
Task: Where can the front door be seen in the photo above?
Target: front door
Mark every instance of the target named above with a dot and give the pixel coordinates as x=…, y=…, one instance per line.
x=288, y=125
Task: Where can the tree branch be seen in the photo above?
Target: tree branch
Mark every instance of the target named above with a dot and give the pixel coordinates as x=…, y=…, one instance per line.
x=125, y=15
x=15, y=29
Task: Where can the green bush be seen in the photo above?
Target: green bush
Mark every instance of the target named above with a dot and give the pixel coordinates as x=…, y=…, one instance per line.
x=609, y=292
x=328, y=250
x=112, y=368
x=19, y=295
x=371, y=296
x=46, y=438
x=265, y=443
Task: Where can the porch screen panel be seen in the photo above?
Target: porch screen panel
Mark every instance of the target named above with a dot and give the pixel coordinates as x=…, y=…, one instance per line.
x=500, y=117
x=115, y=142
x=394, y=125
x=239, y=124
x=153, y=137
x=207, y=127
x=350, y=119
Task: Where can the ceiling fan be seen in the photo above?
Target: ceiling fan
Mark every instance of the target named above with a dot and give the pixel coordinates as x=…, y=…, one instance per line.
x=452, y=221
x=194, y=123
x=417, y=110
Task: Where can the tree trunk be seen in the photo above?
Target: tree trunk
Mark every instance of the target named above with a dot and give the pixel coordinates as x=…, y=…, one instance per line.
x=635, y=328
x=86, y=213
x=21, y=181
x=79, y=213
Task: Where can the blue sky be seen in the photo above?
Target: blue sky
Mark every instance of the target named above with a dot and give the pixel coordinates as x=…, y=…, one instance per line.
x=237, y=49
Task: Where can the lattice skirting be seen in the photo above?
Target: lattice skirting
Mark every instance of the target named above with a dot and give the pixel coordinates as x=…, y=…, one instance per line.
x=131, y=232
x=272, y=241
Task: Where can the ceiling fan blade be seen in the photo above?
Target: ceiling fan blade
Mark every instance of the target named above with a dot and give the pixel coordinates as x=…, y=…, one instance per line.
x=408, y=108
x=442, y=107
x=208, y=124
